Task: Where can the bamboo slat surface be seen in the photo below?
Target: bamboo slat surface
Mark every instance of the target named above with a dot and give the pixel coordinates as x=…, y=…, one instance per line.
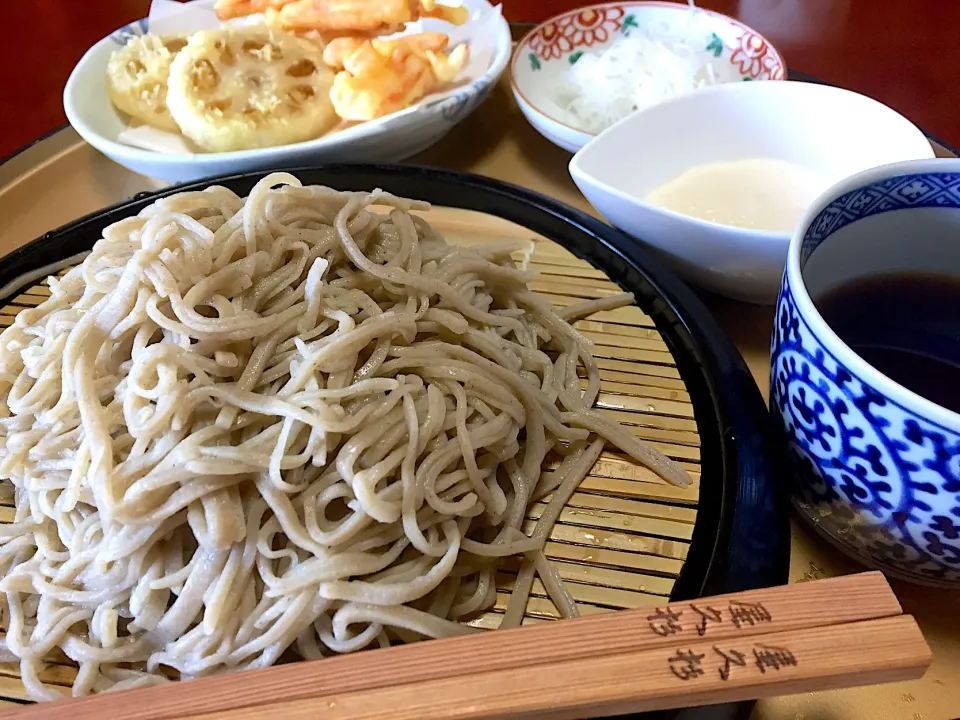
x=624, y=536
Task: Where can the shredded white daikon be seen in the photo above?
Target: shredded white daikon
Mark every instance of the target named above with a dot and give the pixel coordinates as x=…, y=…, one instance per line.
x=633, y=73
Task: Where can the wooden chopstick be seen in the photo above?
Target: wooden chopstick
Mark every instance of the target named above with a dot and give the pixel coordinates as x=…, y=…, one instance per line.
x=437, y=678
x=694, y=674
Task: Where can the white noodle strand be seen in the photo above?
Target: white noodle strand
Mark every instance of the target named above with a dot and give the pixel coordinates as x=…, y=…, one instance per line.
x=242, y=427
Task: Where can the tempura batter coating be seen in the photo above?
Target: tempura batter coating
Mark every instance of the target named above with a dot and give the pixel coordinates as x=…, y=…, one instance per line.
x=137, y=77
x=246, y=87
x=335, y=18
x=378, y=77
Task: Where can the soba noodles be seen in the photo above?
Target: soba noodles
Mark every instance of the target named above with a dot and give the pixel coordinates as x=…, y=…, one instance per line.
x=282, y=424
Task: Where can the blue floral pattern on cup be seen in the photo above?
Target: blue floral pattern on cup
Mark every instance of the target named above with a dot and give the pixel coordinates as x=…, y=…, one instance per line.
x=128, y=32
x=925, y=190
x=873, y=475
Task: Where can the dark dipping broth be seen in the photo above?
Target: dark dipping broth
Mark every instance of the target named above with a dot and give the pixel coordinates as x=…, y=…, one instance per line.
x=907, y=326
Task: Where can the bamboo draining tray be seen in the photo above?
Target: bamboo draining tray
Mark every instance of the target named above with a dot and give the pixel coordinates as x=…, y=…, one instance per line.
x=623, y=537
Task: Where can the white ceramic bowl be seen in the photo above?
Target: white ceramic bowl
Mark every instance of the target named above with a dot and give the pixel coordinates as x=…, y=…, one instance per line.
x=388, y=139
x=831, y=131
x=735, y=51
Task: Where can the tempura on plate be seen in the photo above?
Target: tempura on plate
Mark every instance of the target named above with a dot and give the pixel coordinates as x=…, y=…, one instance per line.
x=271, y=81
x=244, y=87
x=378, y=77
x=333, y=18
x=137, y=76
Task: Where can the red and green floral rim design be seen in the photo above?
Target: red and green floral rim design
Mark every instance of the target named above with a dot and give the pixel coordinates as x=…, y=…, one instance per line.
x=569, y=34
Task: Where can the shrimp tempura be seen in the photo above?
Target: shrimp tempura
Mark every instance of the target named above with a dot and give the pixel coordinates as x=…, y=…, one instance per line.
x=379, y=77
x=336, y=18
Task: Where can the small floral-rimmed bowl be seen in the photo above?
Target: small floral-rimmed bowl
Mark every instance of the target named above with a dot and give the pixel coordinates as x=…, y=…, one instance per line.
x=736, y=52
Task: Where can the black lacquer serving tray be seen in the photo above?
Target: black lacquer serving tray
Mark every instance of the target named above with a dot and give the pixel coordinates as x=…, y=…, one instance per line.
x=667, y=369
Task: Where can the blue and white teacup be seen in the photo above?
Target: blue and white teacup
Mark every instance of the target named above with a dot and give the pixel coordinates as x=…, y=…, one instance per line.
x=876, y=467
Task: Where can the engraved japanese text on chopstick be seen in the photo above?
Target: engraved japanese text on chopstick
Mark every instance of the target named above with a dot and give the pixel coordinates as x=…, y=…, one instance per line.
x=724, y=658
x=669, y=621
x=826, y=634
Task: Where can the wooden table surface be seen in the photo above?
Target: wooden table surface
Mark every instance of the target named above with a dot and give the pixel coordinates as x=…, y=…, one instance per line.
x=902, y=52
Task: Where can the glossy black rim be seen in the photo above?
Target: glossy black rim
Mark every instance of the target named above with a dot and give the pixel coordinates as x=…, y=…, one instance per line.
x=741, y=536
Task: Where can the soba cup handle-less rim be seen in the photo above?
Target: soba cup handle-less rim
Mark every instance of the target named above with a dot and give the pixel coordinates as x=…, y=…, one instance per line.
x=872, y=463
x=741, y=536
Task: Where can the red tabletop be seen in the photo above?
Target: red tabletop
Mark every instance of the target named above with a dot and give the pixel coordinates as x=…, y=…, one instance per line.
x=902, y=52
